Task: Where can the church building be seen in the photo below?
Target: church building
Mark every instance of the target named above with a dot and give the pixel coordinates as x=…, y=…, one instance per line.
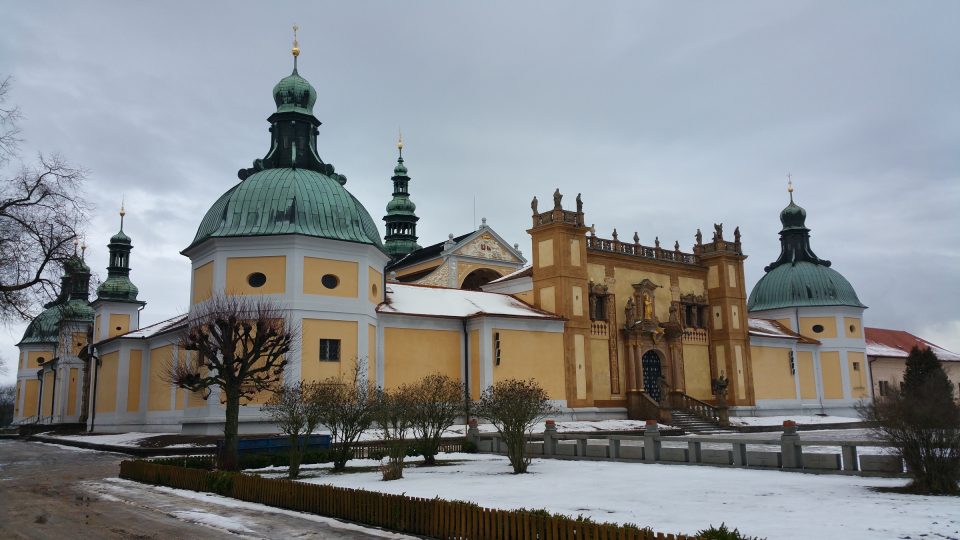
x=609, y=327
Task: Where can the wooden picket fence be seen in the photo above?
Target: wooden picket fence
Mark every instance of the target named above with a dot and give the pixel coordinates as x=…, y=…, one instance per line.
x=435, y=518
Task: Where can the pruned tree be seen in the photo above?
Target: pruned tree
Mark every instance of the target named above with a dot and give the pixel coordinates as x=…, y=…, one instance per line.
x=42, y=211
x=514, y=407
x=240, y=345
x=922, y=421
x=346, y=406
x=437, y=403
x=293, y=408
x=393, y=412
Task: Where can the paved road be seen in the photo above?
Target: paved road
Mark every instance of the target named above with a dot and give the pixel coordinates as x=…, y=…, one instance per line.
x=50, y=492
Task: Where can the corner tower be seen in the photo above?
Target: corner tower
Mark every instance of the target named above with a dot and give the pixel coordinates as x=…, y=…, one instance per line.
x=117, y=309
x=401, y=218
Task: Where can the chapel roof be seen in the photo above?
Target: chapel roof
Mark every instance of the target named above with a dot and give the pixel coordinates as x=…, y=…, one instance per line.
x=882, y=342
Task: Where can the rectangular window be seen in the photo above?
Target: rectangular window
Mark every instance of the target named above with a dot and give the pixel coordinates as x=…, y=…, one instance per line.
x=598, y=307
x=884, y=388
x=329, y=350
x=856, y=366
x=793, y=364
x=496, y=347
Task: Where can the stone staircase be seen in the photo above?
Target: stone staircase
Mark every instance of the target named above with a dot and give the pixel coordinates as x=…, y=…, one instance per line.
x=692, y=423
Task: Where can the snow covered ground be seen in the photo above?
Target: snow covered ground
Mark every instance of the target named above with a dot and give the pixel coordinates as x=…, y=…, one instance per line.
x=677, y=498
x=801, y=420
x=116, y=439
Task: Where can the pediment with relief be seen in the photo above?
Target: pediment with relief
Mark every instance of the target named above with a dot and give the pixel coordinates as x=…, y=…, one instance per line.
x=487, y=246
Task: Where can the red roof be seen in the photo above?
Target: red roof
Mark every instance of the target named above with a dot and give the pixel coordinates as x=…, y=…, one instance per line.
x=897, y=344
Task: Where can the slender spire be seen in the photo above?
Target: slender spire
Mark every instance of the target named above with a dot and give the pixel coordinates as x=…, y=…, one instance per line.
x=790, y=186
x=122, y=214
x=295, y=51
x=401, y=218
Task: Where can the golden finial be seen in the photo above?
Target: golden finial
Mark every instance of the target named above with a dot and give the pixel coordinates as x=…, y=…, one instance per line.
x=122, y=211
x=83, y=250
x=399, y=140
x=296, y=46
x=790, y=186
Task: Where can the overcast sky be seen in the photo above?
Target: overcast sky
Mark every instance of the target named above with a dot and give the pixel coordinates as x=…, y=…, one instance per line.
x=667, y=117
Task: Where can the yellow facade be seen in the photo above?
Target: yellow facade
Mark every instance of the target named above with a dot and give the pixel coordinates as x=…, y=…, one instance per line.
x=858, y=375
x=35, y=358
x=409, y=354
x=808, y=381
x=545, y=253
x=72, y=391
x=526, y=296
x=548, y=299
x=464, y=269
x=30, y=394
x=525, y=355
x=107, y=383
x=78, y=343
x=312, y=331
x=135, y=375
x=346, y=273
x=600, y=350
x=623, y=289
x=239, y=270
x=371, y=352
x=375, y=287
x=159, y=390
x=830, y=370
x=202, y=283
x=772, y=378
x=119, y=324
x=696, y=371
x=48, y=389
x=852, y=328
x=829, y=325
x=96, y=328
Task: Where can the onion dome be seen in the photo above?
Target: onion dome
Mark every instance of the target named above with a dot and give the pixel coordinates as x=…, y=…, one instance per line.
x=118, y=287
x=70, y=305
x=798, y=277
x=290, y=190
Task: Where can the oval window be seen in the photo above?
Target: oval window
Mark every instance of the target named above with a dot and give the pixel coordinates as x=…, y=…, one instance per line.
x=818, y=328
x=330, y=281
x=373, y=289
x=853, y=328
x=256, y=279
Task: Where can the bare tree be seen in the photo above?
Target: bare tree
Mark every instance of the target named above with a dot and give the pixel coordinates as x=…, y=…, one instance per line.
x=241, y=344
x=42, y=211
x=437, y=403
x=346, y=406
x=923, y=423
x=513, y=407
x=394, y=413
x=8, y=396
x=293, y=408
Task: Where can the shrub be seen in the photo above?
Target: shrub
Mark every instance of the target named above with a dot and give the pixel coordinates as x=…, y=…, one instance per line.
x=723, y=533
x=513, y=407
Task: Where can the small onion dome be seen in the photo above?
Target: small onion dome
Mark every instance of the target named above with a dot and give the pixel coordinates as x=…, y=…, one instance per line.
x=400, y=169
x=294, y=94
x=120, y=238
x=401, y=205
x=793, y=216
x=76, y=265
x=117, y=288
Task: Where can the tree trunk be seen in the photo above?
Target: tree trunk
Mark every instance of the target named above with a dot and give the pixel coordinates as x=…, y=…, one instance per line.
x=295, y=457
x=230, y=459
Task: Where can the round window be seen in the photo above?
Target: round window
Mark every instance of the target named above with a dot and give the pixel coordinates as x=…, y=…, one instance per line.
x=256, y=279
x=330, y=281
x=853, y=328
x=818, y=328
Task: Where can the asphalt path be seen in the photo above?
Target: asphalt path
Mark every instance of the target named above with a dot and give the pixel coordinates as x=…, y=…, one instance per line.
x=49, y=492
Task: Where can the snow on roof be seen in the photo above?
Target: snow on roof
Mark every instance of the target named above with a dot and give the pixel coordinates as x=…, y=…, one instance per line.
x=773, y=329
x=440, y=302
x=897, y=344
x=154, y=329
x=522, y=272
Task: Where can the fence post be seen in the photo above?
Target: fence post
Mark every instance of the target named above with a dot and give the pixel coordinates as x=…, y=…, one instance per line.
x=582, y=447
x=549, y=437
x=740, y=454
x=614, y=448
x=651, y=442
x=790, y=447
x=693, y=452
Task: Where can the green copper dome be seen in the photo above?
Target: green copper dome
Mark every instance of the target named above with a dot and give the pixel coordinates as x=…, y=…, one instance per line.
x=294, y=94
x=70, y=305
x=401, y=206
x=44, y=328
x=802, y=284
x=118, y=288
x=120, y=238
x=289, y=201
x=798, y=278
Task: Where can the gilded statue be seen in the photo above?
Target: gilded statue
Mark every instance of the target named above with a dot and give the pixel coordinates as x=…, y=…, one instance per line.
x=647, y=307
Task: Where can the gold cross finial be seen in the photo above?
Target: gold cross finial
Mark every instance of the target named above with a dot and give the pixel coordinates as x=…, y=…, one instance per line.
x=296, y=46
x=122, y=211
x=790, y=186
x=399, y=139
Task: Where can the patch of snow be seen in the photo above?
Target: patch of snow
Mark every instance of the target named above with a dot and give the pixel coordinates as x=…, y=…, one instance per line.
x=116, y=439
x=72, y=448
x=800, y=420
x=213, y=520
x=440, y=302
x=772, y=504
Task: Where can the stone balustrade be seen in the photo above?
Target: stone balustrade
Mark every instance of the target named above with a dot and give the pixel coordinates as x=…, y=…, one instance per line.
x=785, y=452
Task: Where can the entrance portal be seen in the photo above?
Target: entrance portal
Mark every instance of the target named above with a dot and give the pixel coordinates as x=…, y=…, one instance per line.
x=651, y=374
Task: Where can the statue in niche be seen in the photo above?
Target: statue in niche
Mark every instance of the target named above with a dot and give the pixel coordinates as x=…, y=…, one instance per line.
x=718, y=232
x=736, y=234
x=579, y=204
x=556, y=199
x=699, y=238
x=533, y=205
x=631, y=311
x=647, y=307
x=636, y=238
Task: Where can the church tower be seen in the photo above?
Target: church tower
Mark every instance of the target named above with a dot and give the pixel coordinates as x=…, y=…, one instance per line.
x=401, y=219
x=117, y=308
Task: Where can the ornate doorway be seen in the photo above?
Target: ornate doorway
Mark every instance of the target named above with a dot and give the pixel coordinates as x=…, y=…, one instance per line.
x=651, y=373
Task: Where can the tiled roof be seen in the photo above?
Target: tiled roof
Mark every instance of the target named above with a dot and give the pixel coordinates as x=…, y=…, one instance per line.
x=424, y=253
x=897, y=344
